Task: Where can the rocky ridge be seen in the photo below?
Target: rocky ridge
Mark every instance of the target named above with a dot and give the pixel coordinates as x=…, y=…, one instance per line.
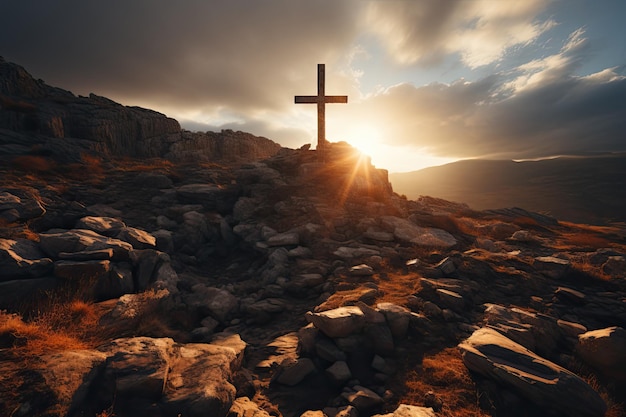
x=40, y=120
x=278, y=285
x=286, y=277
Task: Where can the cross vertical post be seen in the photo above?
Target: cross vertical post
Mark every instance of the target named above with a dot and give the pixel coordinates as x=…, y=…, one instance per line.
x=321, y=99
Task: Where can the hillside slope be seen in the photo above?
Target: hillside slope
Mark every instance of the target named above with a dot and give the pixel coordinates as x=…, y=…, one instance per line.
x=586, y=190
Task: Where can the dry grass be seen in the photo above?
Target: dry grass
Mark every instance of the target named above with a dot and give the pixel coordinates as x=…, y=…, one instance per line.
x=444, y=374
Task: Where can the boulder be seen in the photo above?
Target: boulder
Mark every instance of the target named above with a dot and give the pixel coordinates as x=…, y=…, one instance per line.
x=339, y=373
x=397, y=317
x=292, y=372
x=81, y=270
x=70, y=374
x=605, y=350
x=363, y=399
x=137, y=237
x=210, y=301
x=200, y=380
x=362, y=270
x=210, y=196
x=137, y=368
x=339, y=322
x=243, y=407
x=542, y=382
x=407, y=231
x=106, y=226
x=79, y=240
x=22, y=258
x=19, y=205
x=284, y=239
x=405, y=410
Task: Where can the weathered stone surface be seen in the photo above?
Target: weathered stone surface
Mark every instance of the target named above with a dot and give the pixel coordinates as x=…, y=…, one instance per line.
x=243, y=407
x=406, y=231
x=292, y=372
x=398, y=318
x=70, y=374
x=199, y=380
x=339, y=322
x=542, y=382
x=363, y=399
x=405, y=410
x=19, y=205
x=215, y=302
x=210, y=196
x=348, y=252
x=22, y=258
x=136, y=237
x=362, y=270
x=106, y=226
x=284, y=239
x=339, y=373
x=81, y=271
x=138, y=367
x=605, y=350
x=79, y=240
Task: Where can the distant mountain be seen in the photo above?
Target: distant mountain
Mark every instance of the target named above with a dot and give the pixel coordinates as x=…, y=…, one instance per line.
x=588, y=189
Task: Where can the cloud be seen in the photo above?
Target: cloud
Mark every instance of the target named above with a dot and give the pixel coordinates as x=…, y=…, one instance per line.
x=544, y=110
x=186, y=55
x=480, y=31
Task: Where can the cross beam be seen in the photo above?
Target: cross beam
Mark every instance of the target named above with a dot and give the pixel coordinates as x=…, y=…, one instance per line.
x=321, y=99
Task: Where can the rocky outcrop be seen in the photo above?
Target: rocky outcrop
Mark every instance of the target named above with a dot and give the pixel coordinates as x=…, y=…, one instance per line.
x=545, y=384
x=38, y=119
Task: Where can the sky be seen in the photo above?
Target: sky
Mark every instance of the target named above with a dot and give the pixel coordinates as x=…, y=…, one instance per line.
x=428, y=81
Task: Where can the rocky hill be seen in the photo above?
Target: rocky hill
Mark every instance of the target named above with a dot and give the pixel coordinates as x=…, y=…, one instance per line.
x=290, y=287
x=37, y=119
x=590, y=189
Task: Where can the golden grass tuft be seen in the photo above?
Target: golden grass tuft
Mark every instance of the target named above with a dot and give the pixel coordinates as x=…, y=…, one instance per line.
x=444, y=374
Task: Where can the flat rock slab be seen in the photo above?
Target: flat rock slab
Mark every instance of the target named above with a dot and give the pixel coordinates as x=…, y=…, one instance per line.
x=407, y=231
x=405, y=410
x=79, y=240
x=107, y=226
x=339, y=322
x=542, y=382
x=22, y=258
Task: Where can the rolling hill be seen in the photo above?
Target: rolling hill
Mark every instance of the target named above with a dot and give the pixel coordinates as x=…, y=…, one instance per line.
x=589, y=189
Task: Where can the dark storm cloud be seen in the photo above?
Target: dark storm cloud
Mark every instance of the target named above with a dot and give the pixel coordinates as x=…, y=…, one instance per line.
x=189, y=54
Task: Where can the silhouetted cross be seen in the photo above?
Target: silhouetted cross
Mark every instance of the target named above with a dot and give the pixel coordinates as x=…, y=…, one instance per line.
x=321, y=99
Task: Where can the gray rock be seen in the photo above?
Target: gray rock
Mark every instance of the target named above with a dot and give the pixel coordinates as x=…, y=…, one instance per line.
x=137, y=367
x=349, y=253
x=243, y=407
x=22, y=258
x=542, y=382
x=292, y=372
x=79, y=240
x=605, y=350
x=327, y=350
x=452, y=300
x=199, y=380
x=405, y=410
x=363, y=399
x=19, y=205
x=406, y=231
x=361, y=270
x=284, y=239
x=70, y=374
x=137, y=237
x=81, y=271
x=218, y=303
x=340, y=322
x=339, y=373
x=398, y=318
x=106, y=226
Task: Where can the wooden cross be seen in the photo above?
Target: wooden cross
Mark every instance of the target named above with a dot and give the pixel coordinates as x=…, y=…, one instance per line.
x=321, y=99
